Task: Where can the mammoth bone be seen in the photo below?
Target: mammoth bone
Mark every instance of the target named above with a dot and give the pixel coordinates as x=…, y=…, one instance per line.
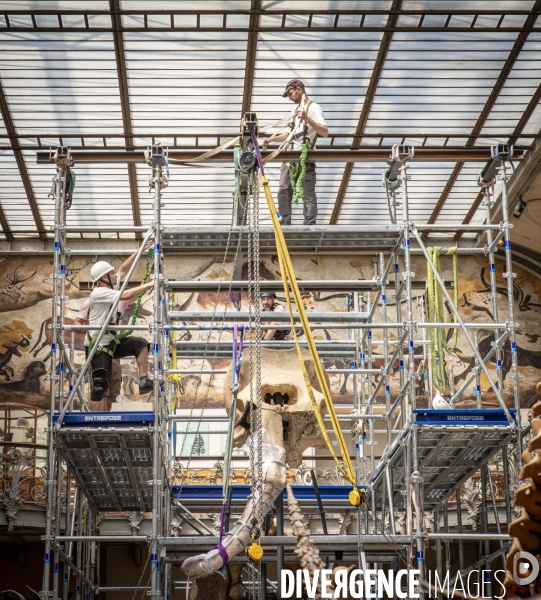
x=289, y=427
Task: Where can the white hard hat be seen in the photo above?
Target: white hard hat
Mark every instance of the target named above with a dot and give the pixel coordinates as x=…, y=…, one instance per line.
x=101, y=268
x=440, y=403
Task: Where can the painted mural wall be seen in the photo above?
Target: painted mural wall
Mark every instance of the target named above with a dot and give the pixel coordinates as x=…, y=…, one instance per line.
x=25, y=309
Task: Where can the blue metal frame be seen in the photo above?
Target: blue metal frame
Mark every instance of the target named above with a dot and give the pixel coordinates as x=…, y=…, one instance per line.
x=241, y=492
x=106, y=419
x=475, y=416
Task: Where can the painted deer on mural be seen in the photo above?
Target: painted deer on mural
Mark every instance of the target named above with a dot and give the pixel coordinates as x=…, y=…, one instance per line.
x=11, y=350
x=14, y=288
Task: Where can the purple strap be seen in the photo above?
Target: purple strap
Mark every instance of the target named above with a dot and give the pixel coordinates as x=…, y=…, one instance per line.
x=242, y=332
x=257, y=152
x=222, y=552
x=236, y=302
x=219, y=547
x=235, y=330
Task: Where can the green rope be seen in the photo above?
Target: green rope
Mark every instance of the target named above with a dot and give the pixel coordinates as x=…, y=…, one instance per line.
x=139, y=298
x=296, y=178
x=436, y=314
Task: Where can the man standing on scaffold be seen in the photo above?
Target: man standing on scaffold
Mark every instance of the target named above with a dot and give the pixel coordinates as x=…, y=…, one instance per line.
x=113, y=344
x=298, y=179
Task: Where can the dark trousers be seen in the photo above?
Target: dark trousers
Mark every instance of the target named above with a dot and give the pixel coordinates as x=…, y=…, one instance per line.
x=285, y=195
x=102, y=364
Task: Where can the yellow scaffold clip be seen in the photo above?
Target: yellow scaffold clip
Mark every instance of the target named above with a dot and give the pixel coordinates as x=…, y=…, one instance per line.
x=357, y=497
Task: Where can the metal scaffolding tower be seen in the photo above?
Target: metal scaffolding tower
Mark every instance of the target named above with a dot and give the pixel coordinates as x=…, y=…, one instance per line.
x=123, y=461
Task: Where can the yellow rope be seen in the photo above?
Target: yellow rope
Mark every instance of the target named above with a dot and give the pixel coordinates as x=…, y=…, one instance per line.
x=177, y=379
x=290, y=284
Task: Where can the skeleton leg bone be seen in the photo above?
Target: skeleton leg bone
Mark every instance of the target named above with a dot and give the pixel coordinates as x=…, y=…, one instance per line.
x=274, y=480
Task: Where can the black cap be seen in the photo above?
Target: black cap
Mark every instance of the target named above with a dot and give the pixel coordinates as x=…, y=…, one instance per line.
x=265, y=294
x=293, y=83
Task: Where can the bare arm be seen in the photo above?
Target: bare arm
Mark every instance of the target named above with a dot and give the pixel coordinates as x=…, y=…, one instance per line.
x=320, y=129
x=122, y=271
x=132, y=293
x=269, y=334
x=78, y=321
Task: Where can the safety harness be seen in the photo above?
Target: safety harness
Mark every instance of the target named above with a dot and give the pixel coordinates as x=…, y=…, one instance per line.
x=120, y=336
x=297, y=171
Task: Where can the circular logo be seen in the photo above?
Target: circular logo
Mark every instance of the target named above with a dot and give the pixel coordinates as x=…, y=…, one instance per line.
x=524, y=562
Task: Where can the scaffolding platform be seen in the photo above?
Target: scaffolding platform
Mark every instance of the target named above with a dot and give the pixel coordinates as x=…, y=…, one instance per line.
x=110, y=456
x=222, y=349
x=345, y=286
x=452, y=445
x=299, y=240
x=209, y=497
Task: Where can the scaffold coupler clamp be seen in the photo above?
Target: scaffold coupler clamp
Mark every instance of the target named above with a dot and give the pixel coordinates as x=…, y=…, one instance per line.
x=156, y=155
x=62, y=156
x=502, y=152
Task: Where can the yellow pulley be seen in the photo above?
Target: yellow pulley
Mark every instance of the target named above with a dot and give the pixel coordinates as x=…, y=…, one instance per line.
x=255, y=552
x=357, y=497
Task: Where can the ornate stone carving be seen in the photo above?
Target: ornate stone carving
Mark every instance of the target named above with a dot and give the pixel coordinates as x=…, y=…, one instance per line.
x=176, y=523
x=134, y=520
x=471, y=499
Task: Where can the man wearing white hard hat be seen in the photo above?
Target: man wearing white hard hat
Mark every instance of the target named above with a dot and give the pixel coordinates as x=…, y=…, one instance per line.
x=112, y=346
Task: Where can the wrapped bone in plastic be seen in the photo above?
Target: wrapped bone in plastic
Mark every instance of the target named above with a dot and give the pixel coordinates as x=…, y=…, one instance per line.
x=269, y=452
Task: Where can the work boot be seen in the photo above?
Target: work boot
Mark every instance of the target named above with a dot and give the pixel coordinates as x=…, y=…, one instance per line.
x=145, y=385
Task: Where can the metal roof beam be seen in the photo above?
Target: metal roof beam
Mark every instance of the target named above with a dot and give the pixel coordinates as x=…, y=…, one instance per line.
x=532, y=105
x=274, y=29
x=443, y=197
x=367, y=105
x=260, y=11
x=429, y=153
x=251, y=51
x=489, y=105
x=19, y=158
x=125, y=106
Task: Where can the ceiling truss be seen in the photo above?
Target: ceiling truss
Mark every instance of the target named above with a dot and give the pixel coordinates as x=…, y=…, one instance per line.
x=256, y=20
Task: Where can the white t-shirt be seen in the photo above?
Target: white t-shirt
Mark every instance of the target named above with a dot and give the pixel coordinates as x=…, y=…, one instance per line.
x=100, y=302
x=282, y=308
x=83, y=311
x=316, y=114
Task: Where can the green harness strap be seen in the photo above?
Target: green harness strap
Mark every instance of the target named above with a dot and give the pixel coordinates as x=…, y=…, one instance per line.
x=436, y=315
x=297, y=171
x=120, y=336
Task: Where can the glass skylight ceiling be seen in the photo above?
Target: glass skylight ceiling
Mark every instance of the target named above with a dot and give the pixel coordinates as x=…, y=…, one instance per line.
x=438, y=75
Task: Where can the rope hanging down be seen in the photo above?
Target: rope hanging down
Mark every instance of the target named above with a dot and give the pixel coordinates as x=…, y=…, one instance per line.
x=290, y=286
x=436, y=314
x=237, y=363
x=297, y=173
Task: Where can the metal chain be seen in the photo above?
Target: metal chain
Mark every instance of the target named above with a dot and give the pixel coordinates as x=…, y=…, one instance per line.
x=142, y=575
x=401, y=551
x=207, y=342
x=255, y=387
x=257, y=292
x=257, y=302
x=359, y=537
x=249, y=202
